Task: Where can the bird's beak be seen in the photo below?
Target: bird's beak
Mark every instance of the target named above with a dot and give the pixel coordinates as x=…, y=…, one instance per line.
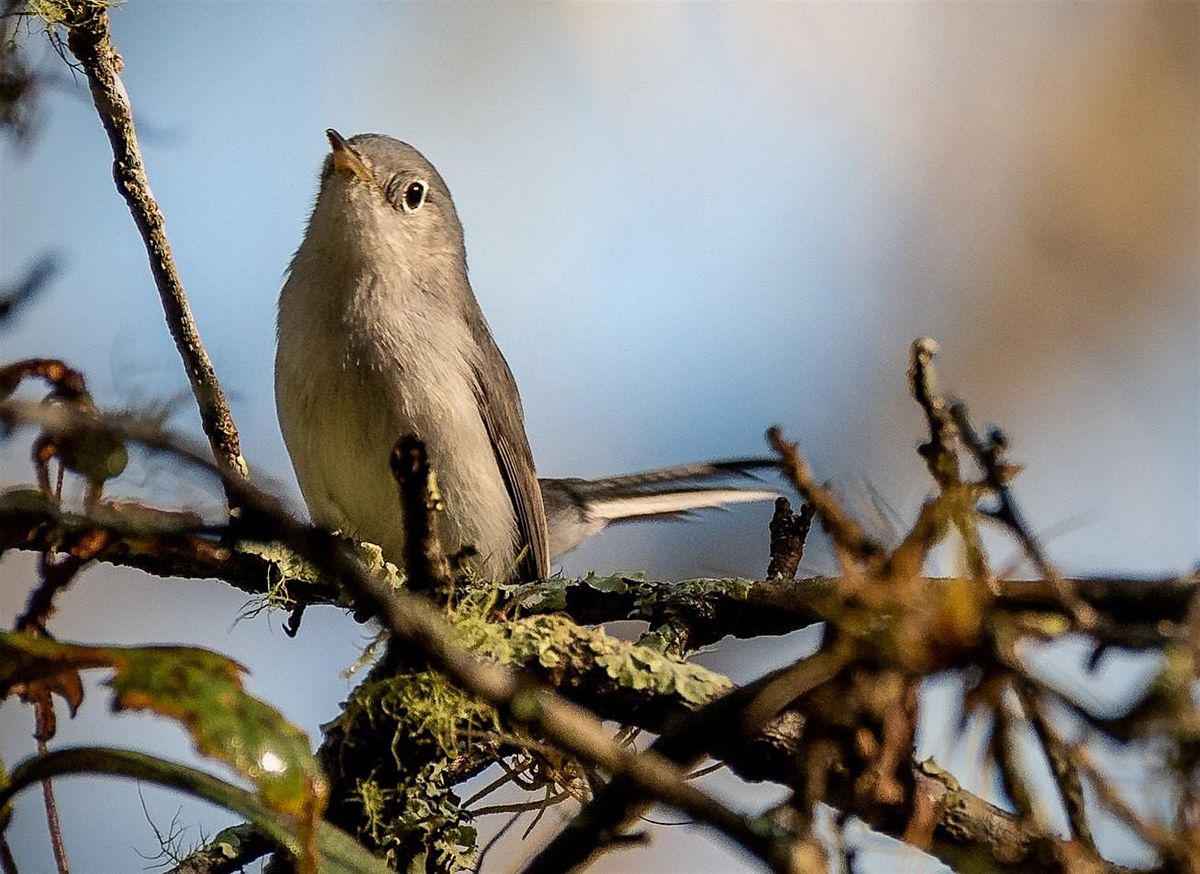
x=345, y=159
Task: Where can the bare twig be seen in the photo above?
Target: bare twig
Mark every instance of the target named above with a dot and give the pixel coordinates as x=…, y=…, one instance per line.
x=44, y=727
x=16, y=294
x=424, y=559
x=789, y=531
x=8, y=865
x=940, y=453
x=845, y=531
x=729, y=721
x=1004, y=753
x=1066, y=776
x=52, y=821
x=57, y=573
x=89, y=40
x=997, y=473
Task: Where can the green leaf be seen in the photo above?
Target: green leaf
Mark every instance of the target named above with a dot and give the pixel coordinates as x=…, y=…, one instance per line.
x=337, y=852
x=200, y=689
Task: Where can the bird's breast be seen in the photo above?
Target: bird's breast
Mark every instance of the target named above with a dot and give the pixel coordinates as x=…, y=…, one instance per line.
x=351, y=383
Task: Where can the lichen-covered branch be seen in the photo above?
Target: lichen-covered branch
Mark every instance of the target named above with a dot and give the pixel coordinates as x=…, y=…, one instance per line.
x=1134, y=613
x=229, y=851
x=403, y=804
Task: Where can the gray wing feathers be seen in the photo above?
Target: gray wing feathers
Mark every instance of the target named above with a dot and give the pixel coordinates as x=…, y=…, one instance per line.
x=500, y=408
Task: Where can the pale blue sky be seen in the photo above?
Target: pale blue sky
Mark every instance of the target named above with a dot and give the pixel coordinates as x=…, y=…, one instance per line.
x=685, y=223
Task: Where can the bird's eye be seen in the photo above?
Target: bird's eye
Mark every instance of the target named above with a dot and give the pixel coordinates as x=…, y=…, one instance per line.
x=414, y=196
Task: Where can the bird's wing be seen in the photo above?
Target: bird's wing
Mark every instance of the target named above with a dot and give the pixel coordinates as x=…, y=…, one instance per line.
x=500, y=408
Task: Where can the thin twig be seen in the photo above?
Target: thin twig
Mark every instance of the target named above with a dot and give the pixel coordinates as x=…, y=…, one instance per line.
x=940, y=453
x=997, y=473
x=1004, y=754
x=520, y=806
x=1152, y=833
x=89, y=40
x=842, y=527
x=8, y=865
x=56, y=575
x=495, y=839
x=1066, y=776
x=53, y=824
x=230, y=851
x=619, y=804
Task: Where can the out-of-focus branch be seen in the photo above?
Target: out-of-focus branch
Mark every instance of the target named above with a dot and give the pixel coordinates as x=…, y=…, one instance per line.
x=843, y=528
x=1066, y=776
x=941, y=454
x=419, y=500
x=89, y=40
x=227, y=853
x=739, y=716
x=16, y=294
x=989, y=455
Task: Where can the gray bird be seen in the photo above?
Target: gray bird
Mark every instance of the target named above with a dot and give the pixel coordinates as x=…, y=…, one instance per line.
x=380, y=335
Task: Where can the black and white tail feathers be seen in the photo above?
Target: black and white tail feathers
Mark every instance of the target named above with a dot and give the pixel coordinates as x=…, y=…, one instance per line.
x=578, y=508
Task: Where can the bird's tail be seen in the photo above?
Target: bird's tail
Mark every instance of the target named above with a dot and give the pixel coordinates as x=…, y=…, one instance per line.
x=578, y=508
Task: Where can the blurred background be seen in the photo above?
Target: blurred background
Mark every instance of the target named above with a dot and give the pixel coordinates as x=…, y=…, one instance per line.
x=685, y=223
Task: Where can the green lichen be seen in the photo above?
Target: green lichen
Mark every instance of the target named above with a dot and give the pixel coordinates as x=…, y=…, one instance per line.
x=286, y=567
x=422, y=703
x=551, y=596
x=551, y=641
x=933, y=769
x=650, y=596
x=413, y=815
x=55, y=12
x=418, y=819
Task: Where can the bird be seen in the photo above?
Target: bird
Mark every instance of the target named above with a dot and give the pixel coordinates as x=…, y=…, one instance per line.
x=379, y=335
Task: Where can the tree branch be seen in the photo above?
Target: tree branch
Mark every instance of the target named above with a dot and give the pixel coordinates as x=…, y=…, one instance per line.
x=1135, y=613
x=227, y=853
x=89, y=40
